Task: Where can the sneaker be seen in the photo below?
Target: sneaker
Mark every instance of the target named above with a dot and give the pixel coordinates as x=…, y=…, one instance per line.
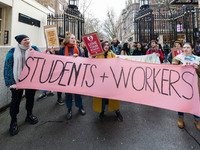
x=180, y=123
x=69, y=114
x=50, y=94
x=60, y=102
x=197, y=124
x=82, y=111
x=44, y=95
x=119, y=116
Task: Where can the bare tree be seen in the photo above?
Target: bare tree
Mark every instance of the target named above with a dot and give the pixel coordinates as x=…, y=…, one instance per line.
x=110, y=25
x=84, y=6
x=93, y=25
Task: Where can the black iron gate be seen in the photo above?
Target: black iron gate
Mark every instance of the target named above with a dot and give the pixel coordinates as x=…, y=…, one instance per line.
x=71, y=20
x=144, y=25
x=182, y=25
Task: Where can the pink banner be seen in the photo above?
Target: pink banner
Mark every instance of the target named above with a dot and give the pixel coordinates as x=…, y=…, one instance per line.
x=166, y=86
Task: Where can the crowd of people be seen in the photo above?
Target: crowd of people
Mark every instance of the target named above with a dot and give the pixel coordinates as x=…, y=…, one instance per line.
x=15, y=61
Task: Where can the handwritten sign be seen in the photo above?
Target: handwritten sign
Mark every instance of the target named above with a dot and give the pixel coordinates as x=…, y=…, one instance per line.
x=92, y=43
x=51, y=37
x=151, y=58
x=172, y=87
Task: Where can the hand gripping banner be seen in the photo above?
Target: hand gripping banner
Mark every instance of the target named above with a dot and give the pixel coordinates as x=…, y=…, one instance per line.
x=165, y=86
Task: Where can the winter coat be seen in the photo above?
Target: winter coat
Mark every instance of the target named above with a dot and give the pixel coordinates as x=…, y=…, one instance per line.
x=113, y=105
x=8, y=67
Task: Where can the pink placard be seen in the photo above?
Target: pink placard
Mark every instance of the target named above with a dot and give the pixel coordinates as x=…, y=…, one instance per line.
x=171, y=87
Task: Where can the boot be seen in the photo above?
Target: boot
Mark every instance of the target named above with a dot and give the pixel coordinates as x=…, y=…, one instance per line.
x=13, y=128
x=180, y=123
x=101, y=115
x=69, y=114
x=31, y=119
x=119, y=116
x=197, y=124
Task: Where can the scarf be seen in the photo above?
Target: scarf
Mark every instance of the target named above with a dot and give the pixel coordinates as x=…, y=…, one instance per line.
x=20, y=55
x=68, y=49
x=115, y=49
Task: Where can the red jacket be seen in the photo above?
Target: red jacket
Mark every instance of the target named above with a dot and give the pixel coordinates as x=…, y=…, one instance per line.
x=151, y=51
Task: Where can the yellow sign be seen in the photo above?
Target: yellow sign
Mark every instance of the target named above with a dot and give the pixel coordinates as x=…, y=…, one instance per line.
x=51, y=36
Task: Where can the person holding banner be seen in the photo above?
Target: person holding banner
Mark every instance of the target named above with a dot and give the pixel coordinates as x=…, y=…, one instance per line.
x=177, y=45
x=155, y=50
x=139, y=50
x=179, y=60
x=70, y=49
x=99, y=103
x=116, y=47
x=126, y=49
x=14, y=63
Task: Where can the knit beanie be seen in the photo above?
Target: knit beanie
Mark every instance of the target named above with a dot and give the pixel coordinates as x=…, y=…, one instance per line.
x=20, y=37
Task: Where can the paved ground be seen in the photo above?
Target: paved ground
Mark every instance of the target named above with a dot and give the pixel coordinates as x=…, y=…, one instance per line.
x=143, y=128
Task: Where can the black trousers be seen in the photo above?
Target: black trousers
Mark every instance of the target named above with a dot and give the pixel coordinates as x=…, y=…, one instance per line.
x=16, y=99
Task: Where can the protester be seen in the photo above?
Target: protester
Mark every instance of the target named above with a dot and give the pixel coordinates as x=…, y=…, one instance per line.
x=145, y=48
x=133, y=47
x=178, y=60
x=155, y=50
x=99, y=103
x=70, y=49
x=139, y=50
x=84, y=50
x=126, y=49
x=177, y=45
x=14, y=63
x=45, y=93
x=166, y=50
x=78, y=43
x=116, y=47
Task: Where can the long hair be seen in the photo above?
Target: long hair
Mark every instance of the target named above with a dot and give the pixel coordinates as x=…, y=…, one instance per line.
x=126, y=49
x=67, y=37
x=142, y=48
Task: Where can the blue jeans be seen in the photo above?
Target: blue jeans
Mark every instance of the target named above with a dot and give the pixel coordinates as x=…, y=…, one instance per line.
x=44, y=91
x=181, y=115
x=68, y=100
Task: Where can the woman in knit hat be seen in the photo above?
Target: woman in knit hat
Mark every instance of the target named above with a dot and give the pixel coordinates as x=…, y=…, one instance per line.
x=14, y=63
x=99, y=103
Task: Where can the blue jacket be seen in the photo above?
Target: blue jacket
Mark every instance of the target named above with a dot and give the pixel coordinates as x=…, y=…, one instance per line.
x=8, y=67
x=62, y=51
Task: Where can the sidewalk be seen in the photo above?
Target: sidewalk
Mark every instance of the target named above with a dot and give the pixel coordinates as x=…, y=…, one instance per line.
x=143, y=128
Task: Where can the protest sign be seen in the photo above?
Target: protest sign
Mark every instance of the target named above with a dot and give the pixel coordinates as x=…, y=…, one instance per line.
x=189, y=60
x=51, y=37
x=93, y=44
x=151, y=58
x=172, y=87
x=176, y=52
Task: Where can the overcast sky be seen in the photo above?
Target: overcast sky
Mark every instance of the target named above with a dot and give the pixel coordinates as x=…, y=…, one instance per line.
x=98, y=8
